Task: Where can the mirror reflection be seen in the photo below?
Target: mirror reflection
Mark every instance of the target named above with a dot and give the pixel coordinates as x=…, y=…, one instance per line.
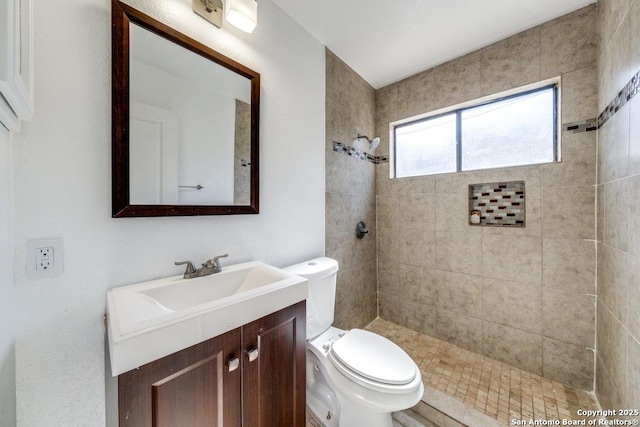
x=189, y=124
x=185, y=123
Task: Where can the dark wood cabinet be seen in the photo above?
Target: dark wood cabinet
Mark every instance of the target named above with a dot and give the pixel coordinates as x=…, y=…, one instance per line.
x=201, y=386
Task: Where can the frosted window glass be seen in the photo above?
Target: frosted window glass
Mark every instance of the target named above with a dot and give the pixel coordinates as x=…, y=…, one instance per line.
x=515, y=131
x=426, y=147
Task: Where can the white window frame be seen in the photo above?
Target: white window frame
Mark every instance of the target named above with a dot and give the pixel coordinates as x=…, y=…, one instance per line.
x=522, y=90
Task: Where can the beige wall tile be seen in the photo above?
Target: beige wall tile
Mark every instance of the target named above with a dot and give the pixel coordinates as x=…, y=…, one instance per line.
x=416, y=210
x=459, y=293
x=514, y=304
x=455, y=82
x=518, y=260
x=613, y=338
x=569, y=212
x=633, y=382
x=617, y=205
x=634, y=133
x=568, y=264
x=633, y=321
x=459, y=252
x=578, y=165
x=511, y=63
x=569, y=317
x=633, y=197
x=607, y=392
x=459, y=329
x=580, y=94
x=613, y=61
x=416, y=247
x=513, y=346
x=613, y=147
x=601, y=215
x=613, y=280
x=569, y=43
x=568, y=364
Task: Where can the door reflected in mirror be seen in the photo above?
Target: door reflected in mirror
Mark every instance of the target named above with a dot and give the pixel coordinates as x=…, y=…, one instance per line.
x=185, y=124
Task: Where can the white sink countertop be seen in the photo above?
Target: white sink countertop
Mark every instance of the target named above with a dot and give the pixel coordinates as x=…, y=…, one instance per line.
x=150, y=320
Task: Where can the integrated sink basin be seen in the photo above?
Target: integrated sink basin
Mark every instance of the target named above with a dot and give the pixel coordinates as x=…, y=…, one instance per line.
x=150, y=320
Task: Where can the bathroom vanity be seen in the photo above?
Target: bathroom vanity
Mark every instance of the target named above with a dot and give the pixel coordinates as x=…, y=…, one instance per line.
x=250, y=376
x=223, y=349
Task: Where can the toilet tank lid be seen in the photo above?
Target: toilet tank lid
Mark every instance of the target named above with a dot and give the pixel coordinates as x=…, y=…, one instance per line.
x=314, y=269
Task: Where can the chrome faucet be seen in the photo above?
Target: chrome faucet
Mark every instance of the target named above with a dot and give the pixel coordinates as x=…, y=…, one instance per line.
x=212, y=266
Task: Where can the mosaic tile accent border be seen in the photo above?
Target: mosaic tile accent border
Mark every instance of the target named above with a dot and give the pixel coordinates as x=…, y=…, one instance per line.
x=339, y=147
x=499, y=204
x=628, y=91
x=581, y=126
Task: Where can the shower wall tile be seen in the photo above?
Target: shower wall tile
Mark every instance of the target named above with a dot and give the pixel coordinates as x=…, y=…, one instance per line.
x=512, y=259
x=613, y=59
x=511, y=62
x=575, y=273
x=580, y=93
x=569, y=212
x=569, y=317
x=634, y=132
x=578, y=166
x=608, y=393
x=416, y=247
x=482, y=287
x=613, y=147
x=569, y=43
x=516, y=347
x=350, y=195
x=633, y=321
x=455, y=82
x=418, y=212
x=459, y=329
x=501, y=299
x=557, y=355
x=459, y=293
x=633, y=382
x=613, y=280
x=459, y=252
x=614, y=338
x=616, y=223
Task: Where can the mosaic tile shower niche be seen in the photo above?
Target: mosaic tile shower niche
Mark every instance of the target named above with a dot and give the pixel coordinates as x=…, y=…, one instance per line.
x=498, y=204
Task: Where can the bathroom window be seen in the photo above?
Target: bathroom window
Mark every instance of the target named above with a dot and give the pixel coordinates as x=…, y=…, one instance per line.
x=514, y=130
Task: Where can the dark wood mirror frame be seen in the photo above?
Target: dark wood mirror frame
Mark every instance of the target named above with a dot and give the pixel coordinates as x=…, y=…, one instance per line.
x=122, y=15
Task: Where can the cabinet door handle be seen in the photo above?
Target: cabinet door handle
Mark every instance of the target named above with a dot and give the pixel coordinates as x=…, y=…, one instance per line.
x=253, y=354
x=234, y=364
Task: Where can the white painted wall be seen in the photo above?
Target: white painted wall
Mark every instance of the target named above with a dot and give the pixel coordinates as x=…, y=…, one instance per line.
x=62, y=186
x=7, y=297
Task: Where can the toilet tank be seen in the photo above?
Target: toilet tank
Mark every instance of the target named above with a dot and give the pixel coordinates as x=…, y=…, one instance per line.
x=321, y=274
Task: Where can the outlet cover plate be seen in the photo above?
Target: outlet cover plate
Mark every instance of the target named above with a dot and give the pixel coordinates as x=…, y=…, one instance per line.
x=34, y=256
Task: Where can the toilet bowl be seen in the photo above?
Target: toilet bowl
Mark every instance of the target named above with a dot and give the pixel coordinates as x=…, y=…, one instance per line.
x=355, y=377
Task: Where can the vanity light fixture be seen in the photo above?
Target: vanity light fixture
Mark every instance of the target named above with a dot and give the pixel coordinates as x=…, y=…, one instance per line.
x=242, y=14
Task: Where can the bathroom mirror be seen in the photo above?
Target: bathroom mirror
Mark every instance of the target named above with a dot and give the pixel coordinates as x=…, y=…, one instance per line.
x=185, y=124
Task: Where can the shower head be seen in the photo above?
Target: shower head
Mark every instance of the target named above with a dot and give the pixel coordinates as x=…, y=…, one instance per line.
x=373, y=143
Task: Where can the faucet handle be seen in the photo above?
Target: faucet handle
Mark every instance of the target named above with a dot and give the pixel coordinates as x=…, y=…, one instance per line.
x=214, y=262
x=190, y=268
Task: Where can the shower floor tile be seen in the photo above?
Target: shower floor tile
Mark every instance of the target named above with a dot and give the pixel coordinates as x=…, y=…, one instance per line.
x=493, y=389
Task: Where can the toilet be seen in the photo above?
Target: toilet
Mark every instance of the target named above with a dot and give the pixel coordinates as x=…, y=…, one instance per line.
x=355, y=377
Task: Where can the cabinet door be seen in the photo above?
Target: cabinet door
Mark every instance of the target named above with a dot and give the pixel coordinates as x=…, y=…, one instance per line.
x=193, y=387
x=274, y=382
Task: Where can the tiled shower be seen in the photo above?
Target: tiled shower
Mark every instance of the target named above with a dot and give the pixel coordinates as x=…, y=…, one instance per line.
x=526, y=296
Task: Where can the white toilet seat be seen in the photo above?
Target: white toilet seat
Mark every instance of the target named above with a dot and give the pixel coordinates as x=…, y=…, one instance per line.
x=374, y=362
x=374, y=357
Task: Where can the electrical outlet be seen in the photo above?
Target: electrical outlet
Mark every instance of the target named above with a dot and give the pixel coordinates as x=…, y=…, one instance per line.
x=44, y=258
